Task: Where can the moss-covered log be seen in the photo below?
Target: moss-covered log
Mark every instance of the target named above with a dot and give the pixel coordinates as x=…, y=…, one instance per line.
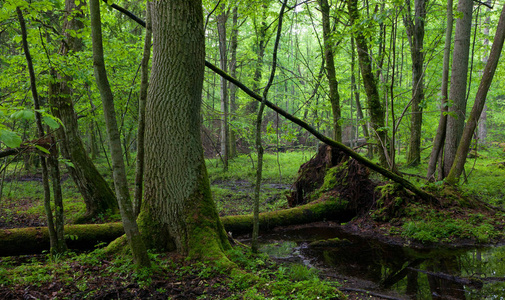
x=32, y=240
x=331, y=209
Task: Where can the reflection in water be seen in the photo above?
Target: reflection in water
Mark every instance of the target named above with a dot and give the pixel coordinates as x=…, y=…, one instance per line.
x=418, y=274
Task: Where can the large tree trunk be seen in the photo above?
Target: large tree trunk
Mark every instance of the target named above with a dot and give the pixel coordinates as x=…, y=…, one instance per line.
x=480, y=100
x=375, y=108
x=178, y=210
x=96, y=192
x=119, y=173
x=415, y=33
x=330, y=70
x=223, y=59
x=457, y=94
x=438, y=143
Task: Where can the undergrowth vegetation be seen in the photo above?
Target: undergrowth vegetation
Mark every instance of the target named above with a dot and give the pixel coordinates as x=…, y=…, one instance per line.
x=257, y=277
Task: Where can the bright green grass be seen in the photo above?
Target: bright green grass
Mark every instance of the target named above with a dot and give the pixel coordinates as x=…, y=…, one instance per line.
x=241, y=168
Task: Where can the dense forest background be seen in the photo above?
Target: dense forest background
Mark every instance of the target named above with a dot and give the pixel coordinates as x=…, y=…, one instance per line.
x=239, y=38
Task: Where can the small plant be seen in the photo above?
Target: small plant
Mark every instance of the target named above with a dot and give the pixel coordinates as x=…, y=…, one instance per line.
x=299, y=272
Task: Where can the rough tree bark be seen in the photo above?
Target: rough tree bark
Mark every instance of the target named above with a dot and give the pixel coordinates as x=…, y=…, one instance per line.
x=144, y=84
x=96, y=192
x=415, y=33
x=178, y=212
x=118, y=168
x=457, y=93
x=375, y=107
x=480, y=101
x=330, y=69
x=438, y=143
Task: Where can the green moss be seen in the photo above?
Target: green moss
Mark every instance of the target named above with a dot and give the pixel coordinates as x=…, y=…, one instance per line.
x=311, y=212
x=32, y=240
x=334, y=176
x=118, y=246
x=206, y=238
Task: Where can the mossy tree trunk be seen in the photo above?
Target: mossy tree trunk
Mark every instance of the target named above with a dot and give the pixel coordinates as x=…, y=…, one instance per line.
x=375, y=107
x=330, y=69
x=355, y=93
x=34, y=240
x=178, y=210
x=415, y=33
x=96, y=192
x=119, y=173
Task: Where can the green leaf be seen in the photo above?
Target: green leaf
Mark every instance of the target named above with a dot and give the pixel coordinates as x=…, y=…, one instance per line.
x=51, y=121
x=25, y=114
x=66, y=162
x=10, y=139
x=42, y=149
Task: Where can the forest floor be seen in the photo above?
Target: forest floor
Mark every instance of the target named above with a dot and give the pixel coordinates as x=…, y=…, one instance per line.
x=103, y=277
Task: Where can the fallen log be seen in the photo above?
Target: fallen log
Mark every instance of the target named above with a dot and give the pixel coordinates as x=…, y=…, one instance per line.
x=35, y=240
x=334, y=209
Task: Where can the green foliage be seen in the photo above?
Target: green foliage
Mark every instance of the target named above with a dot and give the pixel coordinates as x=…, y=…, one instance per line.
x=438, y=227
x=241, y=167
x=293, y=281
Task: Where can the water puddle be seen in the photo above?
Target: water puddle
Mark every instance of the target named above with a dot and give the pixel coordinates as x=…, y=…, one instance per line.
x=469, y=273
